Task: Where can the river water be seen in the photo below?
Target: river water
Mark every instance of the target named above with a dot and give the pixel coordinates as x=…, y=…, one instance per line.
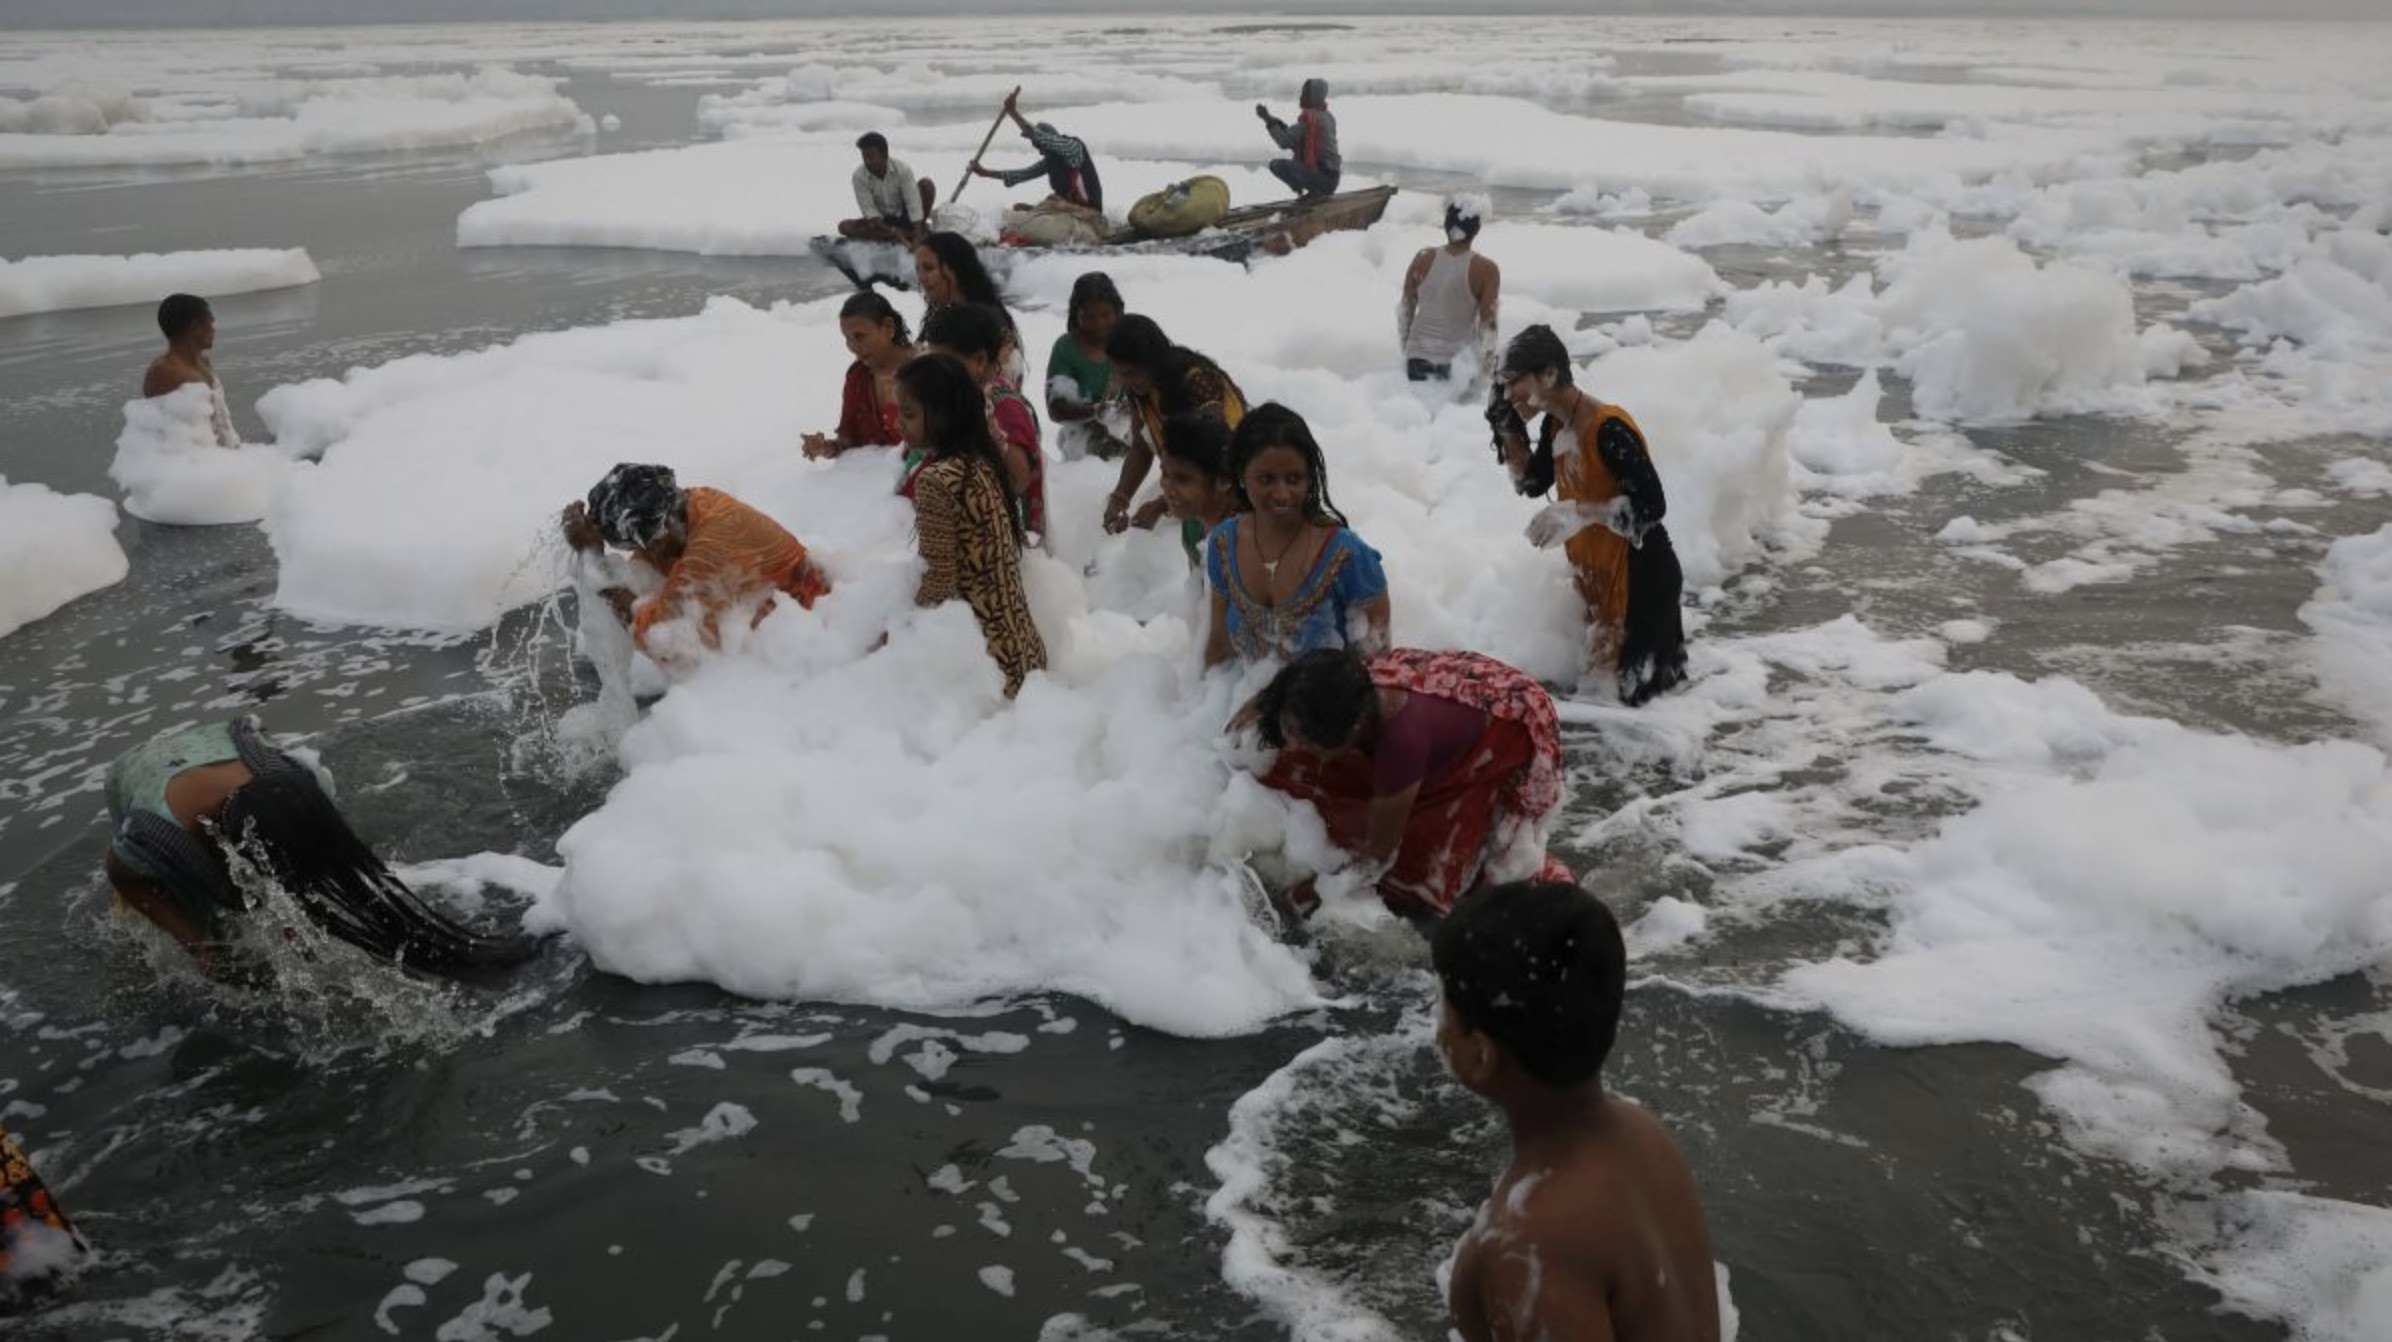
x=568, y=1153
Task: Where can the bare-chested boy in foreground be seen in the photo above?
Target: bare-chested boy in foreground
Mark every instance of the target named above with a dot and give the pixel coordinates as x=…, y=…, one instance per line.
x=190, y=329
x=1595, y=1231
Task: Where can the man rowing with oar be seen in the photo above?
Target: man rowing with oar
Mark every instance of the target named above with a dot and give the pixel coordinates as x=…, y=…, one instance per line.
x=1062, y=159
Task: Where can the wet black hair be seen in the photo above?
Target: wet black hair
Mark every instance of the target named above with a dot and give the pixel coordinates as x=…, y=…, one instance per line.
x=1094, y=287
x=1540, y=968
x=1326, y=693
x=282, y=821
x=870, y=306
x=1140, y=343
x=1201, y=439
x=1272, y=425
x=1504, y=421
x=966, y=328
x=956, y=253
x=955, y=419
x=871, y=140
x=636, y=505
x=181, y=312
x=1533, y=351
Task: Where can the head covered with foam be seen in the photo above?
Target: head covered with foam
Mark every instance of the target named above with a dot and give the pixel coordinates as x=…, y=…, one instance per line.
x=1464, y=215
x=1540, y=969
x=636, y=505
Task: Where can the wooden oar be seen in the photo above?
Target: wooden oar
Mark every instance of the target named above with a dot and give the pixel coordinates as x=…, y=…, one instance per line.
x=985, y=141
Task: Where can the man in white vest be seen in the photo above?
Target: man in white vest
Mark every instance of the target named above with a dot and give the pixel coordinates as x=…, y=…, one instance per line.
x=1450, y=297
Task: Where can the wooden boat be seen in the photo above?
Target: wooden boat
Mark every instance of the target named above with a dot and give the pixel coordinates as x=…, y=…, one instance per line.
x=1272, y=229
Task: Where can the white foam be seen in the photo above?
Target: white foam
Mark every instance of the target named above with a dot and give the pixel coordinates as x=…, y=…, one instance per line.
x=52, y=283
x=293, y=119
x=53, y=548
x=172, y=471
x=2352, y=614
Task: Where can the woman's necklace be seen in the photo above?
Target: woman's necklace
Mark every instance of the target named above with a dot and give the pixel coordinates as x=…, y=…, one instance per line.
x=1270, y=566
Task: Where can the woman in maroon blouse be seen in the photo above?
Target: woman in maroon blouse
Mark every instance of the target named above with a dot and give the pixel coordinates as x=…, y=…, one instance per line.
x=877, y=337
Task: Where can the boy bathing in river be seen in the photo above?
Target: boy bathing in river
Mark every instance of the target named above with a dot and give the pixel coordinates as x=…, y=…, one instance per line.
x=1595, y=1230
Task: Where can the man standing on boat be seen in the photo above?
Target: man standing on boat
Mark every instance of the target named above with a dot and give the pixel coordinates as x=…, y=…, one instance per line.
x=891, y=205
x=1314, y=169
x=1450, y=298
x=1062, y=159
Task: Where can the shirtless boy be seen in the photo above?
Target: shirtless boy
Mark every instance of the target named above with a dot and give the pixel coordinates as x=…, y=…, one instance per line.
x=1595, y=1231
x=190, y=328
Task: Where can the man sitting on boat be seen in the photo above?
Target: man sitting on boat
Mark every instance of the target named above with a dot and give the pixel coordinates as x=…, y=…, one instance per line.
x=892, y=205
x=1315, y=166
x=1062, y=159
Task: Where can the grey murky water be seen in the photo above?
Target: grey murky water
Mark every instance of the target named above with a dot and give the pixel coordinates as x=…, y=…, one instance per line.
x=574, y=1149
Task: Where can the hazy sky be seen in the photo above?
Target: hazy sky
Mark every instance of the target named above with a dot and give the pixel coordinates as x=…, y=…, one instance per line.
x=225, y=13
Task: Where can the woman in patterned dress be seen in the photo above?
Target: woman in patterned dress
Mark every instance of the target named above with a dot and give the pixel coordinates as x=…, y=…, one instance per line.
x=1438, y=772
x=966, y=516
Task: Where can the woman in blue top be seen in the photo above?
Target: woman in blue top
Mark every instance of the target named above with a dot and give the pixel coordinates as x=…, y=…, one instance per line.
x=1286, y=572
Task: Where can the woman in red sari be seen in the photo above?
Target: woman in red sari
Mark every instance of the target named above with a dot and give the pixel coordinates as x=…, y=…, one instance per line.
x=1438, y=771
x=877, y=337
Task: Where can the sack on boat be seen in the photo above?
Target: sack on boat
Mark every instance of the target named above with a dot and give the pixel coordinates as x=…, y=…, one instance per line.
x=1181, y=208
x=1053, y=223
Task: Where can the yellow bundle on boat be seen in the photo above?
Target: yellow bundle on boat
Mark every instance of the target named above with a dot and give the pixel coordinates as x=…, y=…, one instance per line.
x=1181, y=208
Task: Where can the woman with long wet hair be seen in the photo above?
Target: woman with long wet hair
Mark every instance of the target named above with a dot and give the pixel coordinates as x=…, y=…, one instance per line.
x=1607, y=518
x=951, y=274
x=1287, y=574
x=204, y=813
x=1162, y=379
x=967, y=518
x=1079, y=377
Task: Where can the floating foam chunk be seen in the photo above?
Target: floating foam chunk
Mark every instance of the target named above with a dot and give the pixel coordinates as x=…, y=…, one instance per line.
x=53, y=548
x=1716, y=413
x=290, y=119
x=53, y=283
x=1986, y=336
x=172, y=470
x=2352, y=614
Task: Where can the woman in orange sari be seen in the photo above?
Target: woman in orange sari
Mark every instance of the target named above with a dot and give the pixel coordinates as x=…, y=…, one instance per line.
x=37, y=1242
x=1607, y=518
x=713, y=552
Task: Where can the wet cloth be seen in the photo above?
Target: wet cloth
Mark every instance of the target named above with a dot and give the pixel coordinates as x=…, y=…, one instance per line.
x=864, y=419
x=1444, y=312
x=36, y=1238
x=969, y=551
x=1065, y=162
x=896, y=197
x=732, y=554
x=1345, y=577
x=1014, y=420
x=1632, y=588
x=1483, y=809
x=1091, y=378
x=153, y=844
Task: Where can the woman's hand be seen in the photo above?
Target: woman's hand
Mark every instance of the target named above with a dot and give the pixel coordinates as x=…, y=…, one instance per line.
x=1148, y=514
x=580, y=532
x=1556, y=523
x=817, y=446
x=1117, y=512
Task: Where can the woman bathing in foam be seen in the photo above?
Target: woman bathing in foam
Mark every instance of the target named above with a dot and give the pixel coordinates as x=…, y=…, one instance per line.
x=951, y=273
x=1608, y=519
x=1436, y=771
x=714, y=553
x=877, y=337
x=1162, y=379
x=1287, y=574
x=968, y=522
x=1079, y=379
x=974, y=336
x=185, y=800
